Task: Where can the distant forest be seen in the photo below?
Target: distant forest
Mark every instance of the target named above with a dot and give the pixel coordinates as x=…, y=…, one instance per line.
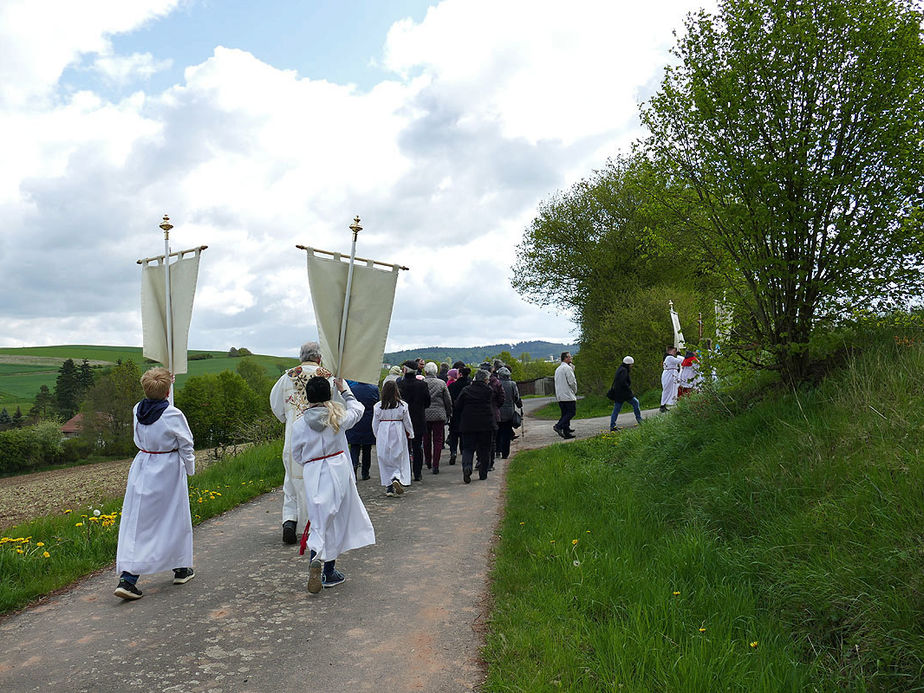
x=538, y=351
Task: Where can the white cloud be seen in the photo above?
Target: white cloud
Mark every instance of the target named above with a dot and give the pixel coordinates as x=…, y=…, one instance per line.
x=493, y=106
x=122, y=69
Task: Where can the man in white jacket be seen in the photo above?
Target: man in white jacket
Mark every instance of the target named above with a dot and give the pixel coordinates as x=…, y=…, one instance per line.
x=287, y=400
x=566, y=394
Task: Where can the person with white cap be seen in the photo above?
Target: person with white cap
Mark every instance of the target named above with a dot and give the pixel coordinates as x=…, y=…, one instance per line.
x=621, y=392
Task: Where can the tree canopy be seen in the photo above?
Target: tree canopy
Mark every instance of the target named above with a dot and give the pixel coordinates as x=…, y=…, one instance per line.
x=799, y=125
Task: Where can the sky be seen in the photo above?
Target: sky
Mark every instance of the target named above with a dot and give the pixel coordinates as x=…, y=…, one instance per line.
x=259, y=126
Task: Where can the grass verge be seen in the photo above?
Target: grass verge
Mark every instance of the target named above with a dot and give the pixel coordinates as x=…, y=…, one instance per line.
x=592, y=406
x=48, y=553
x=748, y=541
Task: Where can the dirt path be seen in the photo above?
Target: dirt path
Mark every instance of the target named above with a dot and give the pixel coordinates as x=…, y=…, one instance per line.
x=410, y=616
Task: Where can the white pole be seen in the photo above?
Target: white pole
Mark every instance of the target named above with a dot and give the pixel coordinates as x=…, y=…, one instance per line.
x=166, y=226
x=355, y=228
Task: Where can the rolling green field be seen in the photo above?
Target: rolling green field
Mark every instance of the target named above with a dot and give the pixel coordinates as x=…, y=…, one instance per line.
x=24, y=370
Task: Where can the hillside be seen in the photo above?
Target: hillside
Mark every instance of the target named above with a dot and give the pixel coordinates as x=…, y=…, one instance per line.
x=755, y=538
x=24, y=370
x=538, y=350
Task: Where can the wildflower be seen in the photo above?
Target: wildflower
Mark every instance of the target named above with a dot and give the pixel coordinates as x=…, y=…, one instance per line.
x=754, y=645
x=552, y=542
x=576, y=563
x=40, y=543
x=522, y=523
x=18, y=550
x=68, y=512
x=79, y=524
x=676, y=594
x=96, y=513
x=574, y=542
x=702, y=630
x=588, y=531
x=46, y=554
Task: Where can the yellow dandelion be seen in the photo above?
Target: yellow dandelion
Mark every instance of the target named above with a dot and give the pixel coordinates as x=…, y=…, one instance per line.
x=68, y=512
x=522, y=523
x=552, y=542
x=217, y=493
x=754, y=644
x=40, y=543
x=79, y=524
x=18, y=550
x=588, y=531
x=702, y=630
x=46, y=554
x=676, y=594
x=574, y=542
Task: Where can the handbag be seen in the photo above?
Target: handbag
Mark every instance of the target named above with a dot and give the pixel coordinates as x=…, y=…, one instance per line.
x=517, y=419
x=611, y=394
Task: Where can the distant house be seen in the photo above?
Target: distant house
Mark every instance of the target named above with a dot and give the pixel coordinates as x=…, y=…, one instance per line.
x=73, y=426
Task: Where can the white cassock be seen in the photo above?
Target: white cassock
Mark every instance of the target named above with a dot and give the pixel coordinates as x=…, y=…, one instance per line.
x=339, y=521
x=287, y=400
x=391, y=428
x=669, y=375
x=690, y=377
x=155, y=531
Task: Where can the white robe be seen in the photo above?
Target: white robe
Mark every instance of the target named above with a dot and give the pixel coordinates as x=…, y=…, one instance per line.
x=391, y=428
x=287, y=400
x=339, y=521
x=155, y=531
x=690, y=376
x=669, y=375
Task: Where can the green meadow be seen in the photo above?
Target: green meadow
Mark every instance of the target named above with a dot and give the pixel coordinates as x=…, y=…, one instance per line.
x=753, y=539
x=24, y=370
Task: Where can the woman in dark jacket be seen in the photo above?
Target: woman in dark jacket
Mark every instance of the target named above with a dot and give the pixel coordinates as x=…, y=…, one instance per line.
x=511, y=401
x=462, y=382
x=621, y=392
x=360, y=437
x=416, y=394
x=477, y=423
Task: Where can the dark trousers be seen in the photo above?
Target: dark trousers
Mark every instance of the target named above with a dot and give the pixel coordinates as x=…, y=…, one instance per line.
x=453, y=440
x=433, y=442
x=477, y=445
x=415, y=445
x=504, y=436
x=568, y=410
x=357, y=449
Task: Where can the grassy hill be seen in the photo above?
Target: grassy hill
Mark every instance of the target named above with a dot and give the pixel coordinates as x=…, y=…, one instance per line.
x=538, y=350
x=756, y=538
x=24, y=370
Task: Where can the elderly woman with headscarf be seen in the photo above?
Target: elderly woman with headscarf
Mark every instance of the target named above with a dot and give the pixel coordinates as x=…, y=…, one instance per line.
x=505, y=423
x=436, y=415
x=475, y=410
x=337, y=519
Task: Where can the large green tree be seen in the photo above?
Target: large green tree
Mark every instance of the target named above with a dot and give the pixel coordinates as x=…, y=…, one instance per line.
x=218, y=407
x=107, y=409
x=67, y=390
x=799, y=125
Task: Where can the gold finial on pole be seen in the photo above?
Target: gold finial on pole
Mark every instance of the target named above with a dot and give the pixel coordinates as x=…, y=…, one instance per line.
x=355, y=227
x=166, y=226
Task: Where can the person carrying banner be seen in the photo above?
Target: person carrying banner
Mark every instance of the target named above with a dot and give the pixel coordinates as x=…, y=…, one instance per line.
x=391, y=424
x=337, y=519
x=669, y=374
x=287, y=400
x=155, y=531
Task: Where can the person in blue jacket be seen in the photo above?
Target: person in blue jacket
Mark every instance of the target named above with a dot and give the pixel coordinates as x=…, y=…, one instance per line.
x=360, y=437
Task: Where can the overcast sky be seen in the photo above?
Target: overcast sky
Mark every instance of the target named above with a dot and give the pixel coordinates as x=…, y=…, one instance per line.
x=257, y=126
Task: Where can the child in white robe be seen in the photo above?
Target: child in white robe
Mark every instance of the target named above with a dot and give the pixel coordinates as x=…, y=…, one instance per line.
x=155, y=531
x=669, y=375
x=391, y=426
x=337, y=519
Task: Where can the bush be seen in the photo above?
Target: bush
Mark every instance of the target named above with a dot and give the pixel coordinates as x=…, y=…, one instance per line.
x=29, y=447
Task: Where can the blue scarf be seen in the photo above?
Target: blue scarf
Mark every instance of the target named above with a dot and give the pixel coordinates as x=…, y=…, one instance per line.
x=149, y=410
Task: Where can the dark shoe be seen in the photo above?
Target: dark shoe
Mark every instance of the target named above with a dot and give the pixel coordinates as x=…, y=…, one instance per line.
x=333, y=578
x=558, y=431
x=314, y=575
x=288, y=532
x=127, y=590
x=418, y=477
x=482, y=477
x=397, y=486
x=428, y=465
x=452, y=459
x=663, y=408
x=568, y=436
x=183, y=575
x=365, y=477
x=514, y=436
x=436, y=470
x=390, y=490
x=467, y=475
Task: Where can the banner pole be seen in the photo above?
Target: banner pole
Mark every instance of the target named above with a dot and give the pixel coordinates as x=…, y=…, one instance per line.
x=355, y=228
x=168, y=306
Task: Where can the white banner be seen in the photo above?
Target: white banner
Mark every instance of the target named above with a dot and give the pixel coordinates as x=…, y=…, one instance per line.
x=678, y=334
x=372, y=297
x=183, y=276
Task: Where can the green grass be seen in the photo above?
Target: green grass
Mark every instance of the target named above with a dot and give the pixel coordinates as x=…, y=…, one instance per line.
x=25, y=573
x=19, y=383
x=592, y=406
x=791, y=520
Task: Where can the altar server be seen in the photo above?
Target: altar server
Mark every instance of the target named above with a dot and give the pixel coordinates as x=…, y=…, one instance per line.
x=669, y=375
x=391, y=424
x=337, y=519
x=155, y=532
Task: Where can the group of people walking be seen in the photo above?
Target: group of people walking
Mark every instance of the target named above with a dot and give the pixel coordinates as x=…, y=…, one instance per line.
x=680, y=376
